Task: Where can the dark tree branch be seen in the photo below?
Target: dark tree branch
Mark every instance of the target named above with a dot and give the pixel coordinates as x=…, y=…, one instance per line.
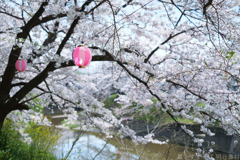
x=145, y=83
x=207, y=5
x=104, y=146
x=61, y=15
x=14, y=77
x=168, y=14
x=185, y=87
x=51, y=38
x=124, y=6
x=69, y=33
x=9, y=29
x=73, y=25
x=28, y=87
x=79, y=134
x=179, y=19
x=168, y=39
x=119, y=62
x=33, y=98
x=9, y=72
x=6, y=85
x=11, y=15
x=22, y=107
x=18, y=84
x=49, y=18
x=40, y=78
x=185, y=15
x=99, y=4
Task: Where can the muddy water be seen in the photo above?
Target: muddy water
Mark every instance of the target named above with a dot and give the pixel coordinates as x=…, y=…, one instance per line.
x=94, y=145
x=91, y=143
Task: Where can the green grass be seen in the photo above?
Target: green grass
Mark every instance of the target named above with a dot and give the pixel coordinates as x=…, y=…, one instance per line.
x=168, y=120
x=71, y=126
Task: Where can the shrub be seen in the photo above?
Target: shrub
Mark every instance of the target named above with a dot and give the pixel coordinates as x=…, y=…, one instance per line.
x=13, y=147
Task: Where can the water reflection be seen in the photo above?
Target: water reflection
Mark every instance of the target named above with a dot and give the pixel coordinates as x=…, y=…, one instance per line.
x=87, y=147
x=90, y=143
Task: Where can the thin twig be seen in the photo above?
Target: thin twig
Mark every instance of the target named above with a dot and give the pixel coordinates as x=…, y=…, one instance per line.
x=104, y=146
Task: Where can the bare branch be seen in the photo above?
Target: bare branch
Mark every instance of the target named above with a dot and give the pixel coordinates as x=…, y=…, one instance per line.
x=104, y=146
x=11, y=15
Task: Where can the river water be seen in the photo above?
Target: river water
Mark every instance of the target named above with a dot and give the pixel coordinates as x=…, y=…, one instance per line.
x=91, y=143
x=94, y=145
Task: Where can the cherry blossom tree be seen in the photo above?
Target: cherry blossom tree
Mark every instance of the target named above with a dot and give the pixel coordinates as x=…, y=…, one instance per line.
x=180, y=52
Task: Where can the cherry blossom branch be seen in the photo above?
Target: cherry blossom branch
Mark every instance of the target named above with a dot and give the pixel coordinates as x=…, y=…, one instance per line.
x=115, y=29
x=112, y=36
x=69, y=33
x=9, y=29
x=61, y=15
x=39, y=78
x=50, y=38
x=123, y=6
x=238, y=133
x=168, y=14
x=73, y=25
x=168, y=39
x=141, y=81
x=185, y=15
x=11, y=15
x=206, y=6
x=34, y=97
x=179, y=19
x=145, y=83
x=122, y=19
x=185, y=87
x=9, y=72
x=99, y=4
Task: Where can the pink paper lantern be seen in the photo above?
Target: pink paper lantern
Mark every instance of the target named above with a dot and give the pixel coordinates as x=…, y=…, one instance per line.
x=81, y=56
x=21, y=65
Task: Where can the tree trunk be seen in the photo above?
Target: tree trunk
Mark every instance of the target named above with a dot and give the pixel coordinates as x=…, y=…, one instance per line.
x=2, y=117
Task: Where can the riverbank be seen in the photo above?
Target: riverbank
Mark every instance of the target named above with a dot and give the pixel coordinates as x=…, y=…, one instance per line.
x=224, y=144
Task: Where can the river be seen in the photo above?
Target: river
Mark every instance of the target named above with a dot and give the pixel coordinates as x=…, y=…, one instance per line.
x=92, y=142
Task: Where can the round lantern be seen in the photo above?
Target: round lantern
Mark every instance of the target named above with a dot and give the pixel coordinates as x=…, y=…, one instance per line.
x=21, y=65
x=81, y=56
